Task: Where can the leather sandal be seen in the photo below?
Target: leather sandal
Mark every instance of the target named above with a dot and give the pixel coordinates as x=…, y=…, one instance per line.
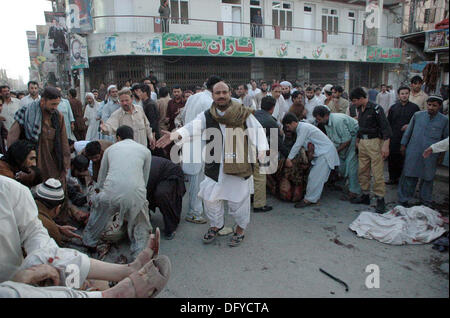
x=151, y=279
x=211, y=235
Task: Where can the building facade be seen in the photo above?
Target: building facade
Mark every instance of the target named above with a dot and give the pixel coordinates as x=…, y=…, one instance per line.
x=425, y=32
x=310, y=41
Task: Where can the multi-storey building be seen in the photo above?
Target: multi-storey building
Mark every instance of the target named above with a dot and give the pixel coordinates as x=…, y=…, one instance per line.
x=425, y=33
x=313, y=41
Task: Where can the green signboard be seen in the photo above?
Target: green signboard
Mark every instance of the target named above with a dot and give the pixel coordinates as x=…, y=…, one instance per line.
x=383, y=55
x=203, y=45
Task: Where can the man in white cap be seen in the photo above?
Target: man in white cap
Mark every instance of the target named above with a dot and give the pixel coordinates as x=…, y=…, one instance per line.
x=327, y=93
x=64, y=270
x=49, y=197
x=424, y=129
x=286, y=88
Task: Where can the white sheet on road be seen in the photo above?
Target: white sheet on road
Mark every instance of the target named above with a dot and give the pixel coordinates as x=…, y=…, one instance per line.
x=415, y=225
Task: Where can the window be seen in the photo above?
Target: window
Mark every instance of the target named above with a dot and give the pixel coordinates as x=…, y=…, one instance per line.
x=307, y=9
x=179, y=11
x=351, y=17
x=330, y=21
x=282, y=14
x=255, y=3
x=232, y=1
x=430, y=15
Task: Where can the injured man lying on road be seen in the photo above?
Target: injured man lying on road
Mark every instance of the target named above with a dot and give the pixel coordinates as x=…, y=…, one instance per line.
x=48, y=271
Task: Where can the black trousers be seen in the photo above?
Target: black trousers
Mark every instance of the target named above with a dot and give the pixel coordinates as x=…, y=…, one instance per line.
x=395, y=165
x=165, y=25
x=169, y=202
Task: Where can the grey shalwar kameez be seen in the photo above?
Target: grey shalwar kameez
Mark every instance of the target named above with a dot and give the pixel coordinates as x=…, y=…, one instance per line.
x=122, y=181
x=423, y=131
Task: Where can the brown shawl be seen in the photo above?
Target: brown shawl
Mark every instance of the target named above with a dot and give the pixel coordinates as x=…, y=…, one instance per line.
x=236, y=141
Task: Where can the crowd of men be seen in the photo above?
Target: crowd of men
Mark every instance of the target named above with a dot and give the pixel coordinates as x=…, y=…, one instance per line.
x=105, y=164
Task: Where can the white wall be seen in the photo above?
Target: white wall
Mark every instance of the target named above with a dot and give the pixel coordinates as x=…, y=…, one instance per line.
x=211, y=10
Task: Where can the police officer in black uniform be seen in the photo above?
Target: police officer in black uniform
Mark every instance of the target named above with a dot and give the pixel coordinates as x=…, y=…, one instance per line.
x=373, y=147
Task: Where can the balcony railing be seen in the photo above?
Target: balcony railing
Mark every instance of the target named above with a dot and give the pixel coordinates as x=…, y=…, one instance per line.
x=153, y=24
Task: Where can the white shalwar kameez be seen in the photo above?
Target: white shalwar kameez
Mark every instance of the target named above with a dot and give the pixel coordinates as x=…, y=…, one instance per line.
x=90, y=112
x=122, y=181
x=310, y=104
x=281, y=108
x=21, y=227
x=195, y=105
x=325, y=159
x=235, y=190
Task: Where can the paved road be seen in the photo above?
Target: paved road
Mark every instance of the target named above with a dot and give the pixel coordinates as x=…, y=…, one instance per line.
x=284, y=249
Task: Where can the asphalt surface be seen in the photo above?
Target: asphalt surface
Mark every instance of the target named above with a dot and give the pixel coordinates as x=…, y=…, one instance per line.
x=284, y=249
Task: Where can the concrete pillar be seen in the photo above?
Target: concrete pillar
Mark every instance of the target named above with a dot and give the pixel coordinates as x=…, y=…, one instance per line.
x=82, y=85
x=257, y=69
x=307, y=67
x=347, y=77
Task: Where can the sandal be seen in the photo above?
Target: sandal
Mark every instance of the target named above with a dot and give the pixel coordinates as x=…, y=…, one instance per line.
x=195, y=219
x=236, y=240
x=303, y=204
x=211, y=235
x=151, y=279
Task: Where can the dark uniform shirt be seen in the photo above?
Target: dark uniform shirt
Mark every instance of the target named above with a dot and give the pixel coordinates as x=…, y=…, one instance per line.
x=267, y=121
x=152, y=114
x=398, y=116
x=373, y=123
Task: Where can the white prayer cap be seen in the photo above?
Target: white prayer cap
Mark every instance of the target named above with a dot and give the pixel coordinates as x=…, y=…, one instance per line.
x=286, y=83
x=90, y=95
x=327, y=88
x=50, y=190
x=110, y=87
x=433, y=98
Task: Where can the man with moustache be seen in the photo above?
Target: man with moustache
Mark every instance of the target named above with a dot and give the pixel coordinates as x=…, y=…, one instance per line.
x=281, y=106
x=41, y=123
x=286, y=88
x=33, y=94
x=132, y=116
x=112, y=104
x=225, y=180
x=311, y=101
x=424, y=129
x=263, y=93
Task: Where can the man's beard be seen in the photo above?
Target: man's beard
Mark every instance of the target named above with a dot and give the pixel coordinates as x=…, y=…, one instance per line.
x=115, y=99
x=223, y=107
x=263, y=90
x=286, y=95
x=50, y=111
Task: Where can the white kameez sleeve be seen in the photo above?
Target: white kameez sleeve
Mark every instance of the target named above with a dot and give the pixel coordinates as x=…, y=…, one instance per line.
x=440, y=146
x=301, y=136
x=104, y=167
x=33, y=234
x=87, y=115
x=193, y=129
x=257, y=134
x=147, y=166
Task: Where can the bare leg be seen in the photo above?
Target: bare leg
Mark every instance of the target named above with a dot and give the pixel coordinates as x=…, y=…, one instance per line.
x=109, y=271
x=239, y=230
